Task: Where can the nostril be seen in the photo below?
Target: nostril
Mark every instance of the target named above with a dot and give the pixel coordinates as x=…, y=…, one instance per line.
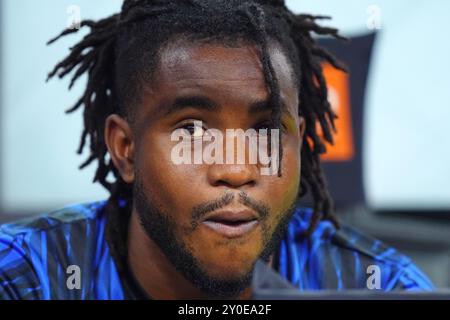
x=226, y=183
x=232, y=176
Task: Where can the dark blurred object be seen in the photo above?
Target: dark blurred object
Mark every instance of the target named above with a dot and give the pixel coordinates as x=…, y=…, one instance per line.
x=343, y=162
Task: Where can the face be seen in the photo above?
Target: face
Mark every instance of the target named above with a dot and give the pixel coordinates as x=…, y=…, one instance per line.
x=220, y=217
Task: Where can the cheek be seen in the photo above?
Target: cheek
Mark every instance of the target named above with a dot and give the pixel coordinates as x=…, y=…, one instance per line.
x=291, y=167
x=284, y=189
x=166, y=181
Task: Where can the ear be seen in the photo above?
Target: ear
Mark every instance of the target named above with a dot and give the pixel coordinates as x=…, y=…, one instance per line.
x=301, y=127
x=120, y=143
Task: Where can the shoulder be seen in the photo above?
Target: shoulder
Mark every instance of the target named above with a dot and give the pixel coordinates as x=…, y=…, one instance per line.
x=58, y=219
x=35, y=252
x=345, y=258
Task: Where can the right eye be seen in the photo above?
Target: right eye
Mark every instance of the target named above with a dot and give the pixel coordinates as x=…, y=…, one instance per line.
x=195, y=129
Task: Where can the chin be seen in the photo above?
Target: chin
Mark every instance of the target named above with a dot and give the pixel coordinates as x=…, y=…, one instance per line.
x=231, y=264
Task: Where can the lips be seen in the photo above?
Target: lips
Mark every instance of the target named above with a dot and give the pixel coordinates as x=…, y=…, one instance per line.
x=231, y=224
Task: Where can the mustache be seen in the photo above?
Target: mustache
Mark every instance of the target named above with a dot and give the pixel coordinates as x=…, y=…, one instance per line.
x=201, y=210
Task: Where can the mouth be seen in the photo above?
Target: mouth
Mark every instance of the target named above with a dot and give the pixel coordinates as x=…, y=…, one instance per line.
x=232, y=224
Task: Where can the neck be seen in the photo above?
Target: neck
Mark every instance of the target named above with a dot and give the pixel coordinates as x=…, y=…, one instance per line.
x=155, y=273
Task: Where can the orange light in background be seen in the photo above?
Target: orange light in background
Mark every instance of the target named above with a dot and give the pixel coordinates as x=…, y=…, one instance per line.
x=339, y=97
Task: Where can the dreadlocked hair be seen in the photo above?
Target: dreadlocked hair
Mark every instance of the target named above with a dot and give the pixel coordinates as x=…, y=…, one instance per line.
x=120, y=53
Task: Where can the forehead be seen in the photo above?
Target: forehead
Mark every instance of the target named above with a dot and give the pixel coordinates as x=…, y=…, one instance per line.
x=222, y=70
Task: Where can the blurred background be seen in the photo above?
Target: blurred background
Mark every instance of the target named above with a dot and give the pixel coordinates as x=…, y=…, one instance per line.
x=389, y=171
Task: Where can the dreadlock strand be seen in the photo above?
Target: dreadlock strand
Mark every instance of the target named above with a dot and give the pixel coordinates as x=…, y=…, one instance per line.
x=258, y=23
x=68, y=31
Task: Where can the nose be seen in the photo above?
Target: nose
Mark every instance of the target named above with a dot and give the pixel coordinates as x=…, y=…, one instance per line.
x=232, y=175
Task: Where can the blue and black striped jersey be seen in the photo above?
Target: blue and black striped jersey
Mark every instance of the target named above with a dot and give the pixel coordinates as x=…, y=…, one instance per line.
x=36, y=254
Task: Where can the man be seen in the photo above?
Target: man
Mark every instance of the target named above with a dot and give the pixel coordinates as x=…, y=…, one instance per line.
x=173, y=229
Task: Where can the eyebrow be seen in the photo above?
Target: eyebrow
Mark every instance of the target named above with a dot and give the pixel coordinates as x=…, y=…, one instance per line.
x=205, y=103
x=196, y=102
x=265, y=105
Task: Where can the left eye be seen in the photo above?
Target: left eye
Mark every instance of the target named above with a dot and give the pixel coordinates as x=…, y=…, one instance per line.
x=264, y=126
x=269, y=126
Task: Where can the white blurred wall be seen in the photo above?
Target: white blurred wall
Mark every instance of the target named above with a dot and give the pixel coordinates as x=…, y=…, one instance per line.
x=407, y=123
